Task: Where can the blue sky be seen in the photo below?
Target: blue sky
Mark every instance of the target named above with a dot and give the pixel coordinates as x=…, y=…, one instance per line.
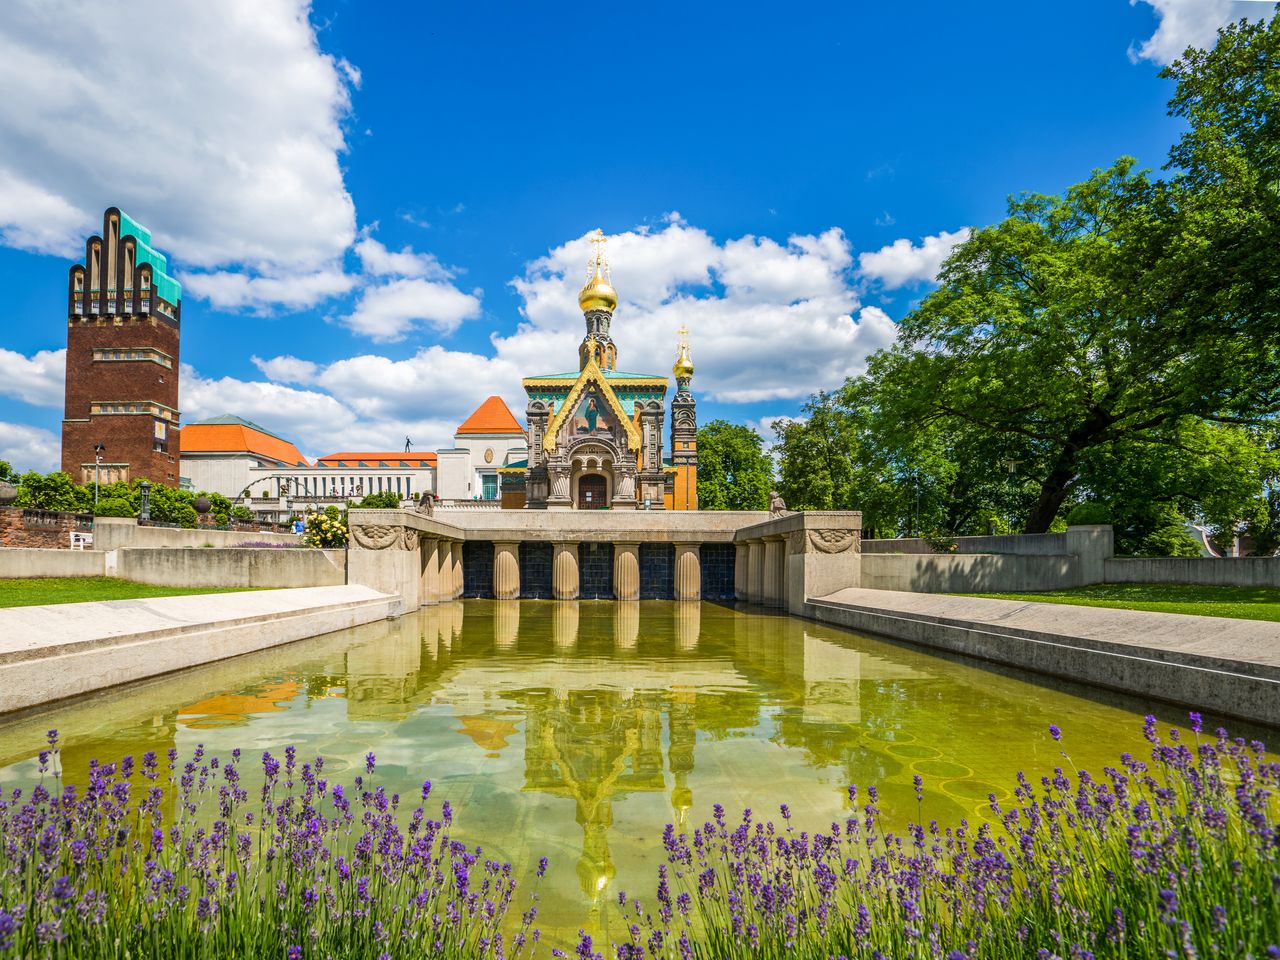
x=379, y=211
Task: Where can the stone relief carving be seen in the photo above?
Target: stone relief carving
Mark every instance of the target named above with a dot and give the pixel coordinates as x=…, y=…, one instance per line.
x=377, y=536
x=832, y=541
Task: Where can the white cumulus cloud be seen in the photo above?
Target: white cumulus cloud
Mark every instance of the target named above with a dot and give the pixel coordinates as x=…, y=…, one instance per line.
x=219, y=125
x=38, y=379
x=389, y=311
x=1192, y=23
x=902, y=263
x=29, y=448
x=378, y=261
x=768, y=320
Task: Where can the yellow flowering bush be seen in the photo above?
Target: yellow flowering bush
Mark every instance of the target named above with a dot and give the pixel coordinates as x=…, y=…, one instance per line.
x=325, y=530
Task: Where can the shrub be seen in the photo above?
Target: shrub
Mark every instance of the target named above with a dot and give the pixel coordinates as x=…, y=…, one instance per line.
x=324, y=530
x=386, y=500
x=1088, y=513
x=114, y=507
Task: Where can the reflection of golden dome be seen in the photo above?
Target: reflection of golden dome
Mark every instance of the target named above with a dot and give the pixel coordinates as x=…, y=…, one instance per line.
x=598, y=293
x=683, y=368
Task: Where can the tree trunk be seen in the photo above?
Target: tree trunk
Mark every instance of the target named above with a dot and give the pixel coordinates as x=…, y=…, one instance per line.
x=1053, y=492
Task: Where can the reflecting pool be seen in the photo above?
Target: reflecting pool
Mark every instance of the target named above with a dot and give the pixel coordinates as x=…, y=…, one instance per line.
x=577, y=730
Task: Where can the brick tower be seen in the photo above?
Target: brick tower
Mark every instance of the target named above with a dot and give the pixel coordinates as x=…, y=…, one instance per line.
x=123, y=312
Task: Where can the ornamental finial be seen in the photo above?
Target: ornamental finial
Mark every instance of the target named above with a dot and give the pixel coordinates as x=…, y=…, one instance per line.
x=598, y=293
x=683, y=368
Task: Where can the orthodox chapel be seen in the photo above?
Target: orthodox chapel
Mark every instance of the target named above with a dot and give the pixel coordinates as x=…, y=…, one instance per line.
x=596, y=435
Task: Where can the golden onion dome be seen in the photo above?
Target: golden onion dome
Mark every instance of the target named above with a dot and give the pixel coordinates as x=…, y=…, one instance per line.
x=683, y=368
x=598, y=293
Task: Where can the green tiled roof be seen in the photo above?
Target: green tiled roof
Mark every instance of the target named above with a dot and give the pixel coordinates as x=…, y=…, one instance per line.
x=165, y=286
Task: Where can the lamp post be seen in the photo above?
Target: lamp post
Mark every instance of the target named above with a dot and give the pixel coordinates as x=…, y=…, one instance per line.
x=144, y=504
x=98, y=450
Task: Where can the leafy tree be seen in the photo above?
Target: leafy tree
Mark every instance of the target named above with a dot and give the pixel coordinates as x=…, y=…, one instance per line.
x=242, y=514
x=171, y=505
x=54, y=491
x=734, y=472
x=7, y=472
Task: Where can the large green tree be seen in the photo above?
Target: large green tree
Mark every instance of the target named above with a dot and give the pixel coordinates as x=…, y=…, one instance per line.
x=734, y=472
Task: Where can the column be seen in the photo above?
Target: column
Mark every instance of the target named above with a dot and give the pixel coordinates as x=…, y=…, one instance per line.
x=564, y=625
x=775, y=551
x=688, y=572
x=455, y=556
x=741, y=569
x=444, y=557
x=506, y=570
x=430, y=571
x=626, y=571
x=755, y=571
x=564, y=571
x=688, y=625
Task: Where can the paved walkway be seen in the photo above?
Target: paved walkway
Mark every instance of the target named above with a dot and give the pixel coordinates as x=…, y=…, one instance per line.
x=1231, y=666
x=60, y=650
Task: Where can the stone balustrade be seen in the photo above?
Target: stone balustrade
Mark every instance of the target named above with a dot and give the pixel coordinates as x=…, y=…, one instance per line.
x=778, y=561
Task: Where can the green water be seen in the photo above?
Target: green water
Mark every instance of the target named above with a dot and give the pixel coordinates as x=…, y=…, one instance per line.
x=578, y=730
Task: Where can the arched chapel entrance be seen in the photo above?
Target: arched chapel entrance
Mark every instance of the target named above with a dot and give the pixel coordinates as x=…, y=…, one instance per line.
x=593, y=492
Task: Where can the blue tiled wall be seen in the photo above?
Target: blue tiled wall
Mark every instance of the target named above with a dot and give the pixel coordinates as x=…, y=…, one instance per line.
x=595, y=571
x=535, y=570
x=657, y=571
x=477, y=569
x=717, y=570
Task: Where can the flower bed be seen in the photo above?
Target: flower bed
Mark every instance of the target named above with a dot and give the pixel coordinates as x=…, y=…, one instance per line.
x=1175, y=857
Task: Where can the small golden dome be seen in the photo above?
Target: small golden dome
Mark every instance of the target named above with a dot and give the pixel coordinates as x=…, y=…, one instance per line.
x=683, y=368
x=598, y=293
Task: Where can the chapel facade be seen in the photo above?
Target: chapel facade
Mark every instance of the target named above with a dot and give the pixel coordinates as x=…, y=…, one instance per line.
x=596, y=436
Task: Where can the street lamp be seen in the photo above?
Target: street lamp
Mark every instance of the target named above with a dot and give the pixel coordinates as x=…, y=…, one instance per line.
x=144, y=506
x=98, y=450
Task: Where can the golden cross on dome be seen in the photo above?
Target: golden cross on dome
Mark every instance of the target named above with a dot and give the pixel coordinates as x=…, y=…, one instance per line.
x=598, y=258
x=682, y=336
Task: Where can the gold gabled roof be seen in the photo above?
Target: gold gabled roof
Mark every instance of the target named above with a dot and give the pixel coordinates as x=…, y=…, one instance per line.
x=591, y=372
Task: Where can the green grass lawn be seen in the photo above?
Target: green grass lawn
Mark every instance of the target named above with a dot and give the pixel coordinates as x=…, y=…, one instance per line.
x=1239, y=603
x=29, y=593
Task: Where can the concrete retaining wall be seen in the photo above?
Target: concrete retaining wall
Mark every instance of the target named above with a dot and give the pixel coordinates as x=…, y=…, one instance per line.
x=957, y=573
x=230, y=567
x=16, y=564
x=49, y=653
x=1214, y=571
x=1033, y=544
x=114, y=533
x=1231, y=667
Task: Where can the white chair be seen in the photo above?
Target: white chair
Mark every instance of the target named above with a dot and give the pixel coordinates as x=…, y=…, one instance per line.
x=79, y=541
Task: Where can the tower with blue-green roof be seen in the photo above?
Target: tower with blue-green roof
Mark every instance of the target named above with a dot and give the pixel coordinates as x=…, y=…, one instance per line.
x=124, y=311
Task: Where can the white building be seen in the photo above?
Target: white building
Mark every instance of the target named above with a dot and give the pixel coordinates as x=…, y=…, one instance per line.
x=260, y=470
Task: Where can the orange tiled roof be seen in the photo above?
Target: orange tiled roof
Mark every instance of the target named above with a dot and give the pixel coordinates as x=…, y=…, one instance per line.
x=373, y=458
x=492, y=416
x=239, y=438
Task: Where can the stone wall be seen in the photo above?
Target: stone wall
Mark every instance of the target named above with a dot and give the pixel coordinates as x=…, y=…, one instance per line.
x=25, y=564
x=1033, y=544
x=968, y=573
x=41, y=529
x=232, y=567
x=113, y=533
x=1215, y=571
